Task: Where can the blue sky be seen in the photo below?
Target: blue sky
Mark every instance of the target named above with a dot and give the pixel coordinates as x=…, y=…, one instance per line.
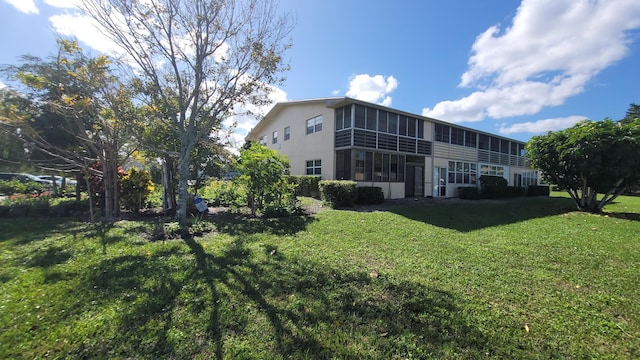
x=515, y=68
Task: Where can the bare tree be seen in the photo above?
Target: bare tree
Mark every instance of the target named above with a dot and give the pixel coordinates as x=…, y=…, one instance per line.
x=197, y=61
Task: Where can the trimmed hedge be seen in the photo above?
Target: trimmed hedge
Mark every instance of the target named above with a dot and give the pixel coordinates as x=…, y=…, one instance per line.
x=307, y=185
x=338, y=193
x=369, y=195
x=493, y=187
x=468, y=193
x=538, y=190
x=515, y=191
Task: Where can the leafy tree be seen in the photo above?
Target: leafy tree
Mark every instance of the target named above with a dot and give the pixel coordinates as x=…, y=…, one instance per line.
x=75, y=115
x=591, y=158
x=198, y=61
x=264, y=173
x=633, y=113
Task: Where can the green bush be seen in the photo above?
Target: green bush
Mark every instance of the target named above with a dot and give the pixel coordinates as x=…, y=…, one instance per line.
x=338, y=193
x=136, y=187
x=307, y=185
x=468, y=193
x=514, y=191
x=224, y=193
x=8, y=187
x=493, y=187
x=538, y=190
x=368, y=195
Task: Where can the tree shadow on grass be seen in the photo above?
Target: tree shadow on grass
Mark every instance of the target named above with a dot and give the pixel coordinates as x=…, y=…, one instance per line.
x=313, y=311
x=27, y=230
x=144, y=290
x=48, y=257
x=465, y=216
x=623, y=215
x=237, y=225
x=248, y=300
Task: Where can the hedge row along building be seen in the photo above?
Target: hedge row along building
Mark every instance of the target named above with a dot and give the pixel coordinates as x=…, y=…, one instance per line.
x=407, y=155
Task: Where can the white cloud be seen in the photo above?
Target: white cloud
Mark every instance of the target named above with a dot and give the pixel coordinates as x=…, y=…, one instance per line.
x=25, y=6
x=375, y=89
x=2, y=85
x=244, y=123
x=548, y=54
x=64, y=4
x=541, y=126
x=83, y=28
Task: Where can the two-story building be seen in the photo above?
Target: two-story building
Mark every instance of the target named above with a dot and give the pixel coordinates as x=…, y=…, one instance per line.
x=405, y=154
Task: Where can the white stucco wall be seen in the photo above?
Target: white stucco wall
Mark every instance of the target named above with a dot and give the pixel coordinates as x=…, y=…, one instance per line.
x=302, y=147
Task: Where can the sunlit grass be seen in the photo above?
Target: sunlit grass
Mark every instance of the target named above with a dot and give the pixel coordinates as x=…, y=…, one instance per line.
x=521, y=278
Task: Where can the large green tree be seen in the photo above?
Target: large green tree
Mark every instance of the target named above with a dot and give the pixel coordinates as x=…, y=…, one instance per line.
x=74, y=118
x=590, y=158
x=198, y=61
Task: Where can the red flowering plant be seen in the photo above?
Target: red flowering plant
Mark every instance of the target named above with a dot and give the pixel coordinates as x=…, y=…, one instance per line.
x=36, y=200
x=97, y=182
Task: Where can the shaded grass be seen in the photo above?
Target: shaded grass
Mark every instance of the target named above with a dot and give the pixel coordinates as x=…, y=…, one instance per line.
x=523, y=278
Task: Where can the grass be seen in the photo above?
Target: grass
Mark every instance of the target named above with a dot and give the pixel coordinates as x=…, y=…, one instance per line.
x=522, y=278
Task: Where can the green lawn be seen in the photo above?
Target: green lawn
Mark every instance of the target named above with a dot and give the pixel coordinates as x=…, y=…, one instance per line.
x=521, y=278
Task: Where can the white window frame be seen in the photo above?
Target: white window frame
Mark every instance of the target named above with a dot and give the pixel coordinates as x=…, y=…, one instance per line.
x=314, y=125
x=274, y=137
x=313, y=167
x=287, y=133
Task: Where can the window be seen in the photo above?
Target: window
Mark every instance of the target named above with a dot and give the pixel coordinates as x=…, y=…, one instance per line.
x=461, y=172
x=393, y=123
x=403, y=125
x=314, y=125
x=495, y=144
x=457, y=136
x=343, y=165
x=372, y=119
x=442, y=133
x=360, y=160
x=382, y=121
x=378, y=166
x=504, y=146
x=491, y=170
x=529, y=178
x=470, y=138
x=343, y=118
x=483, y=142
x=274, y=137
x=287, y=133
x=314, y=167
x=359, y=117
x=515, y=148
x=263, y=140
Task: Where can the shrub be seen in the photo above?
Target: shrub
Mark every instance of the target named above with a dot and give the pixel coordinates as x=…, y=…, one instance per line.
x=367, y=195
x=338, y=193
x=538, y=190
x=514, y=191
x=136, y=187
x=224, y=193
x=468, y=193
x=493, y=187
x=8, y=187
x=307, y=185
x=264, y=173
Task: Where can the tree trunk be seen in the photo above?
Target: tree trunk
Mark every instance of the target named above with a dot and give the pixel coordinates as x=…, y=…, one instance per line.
x=183, y=178
x=168, y=181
